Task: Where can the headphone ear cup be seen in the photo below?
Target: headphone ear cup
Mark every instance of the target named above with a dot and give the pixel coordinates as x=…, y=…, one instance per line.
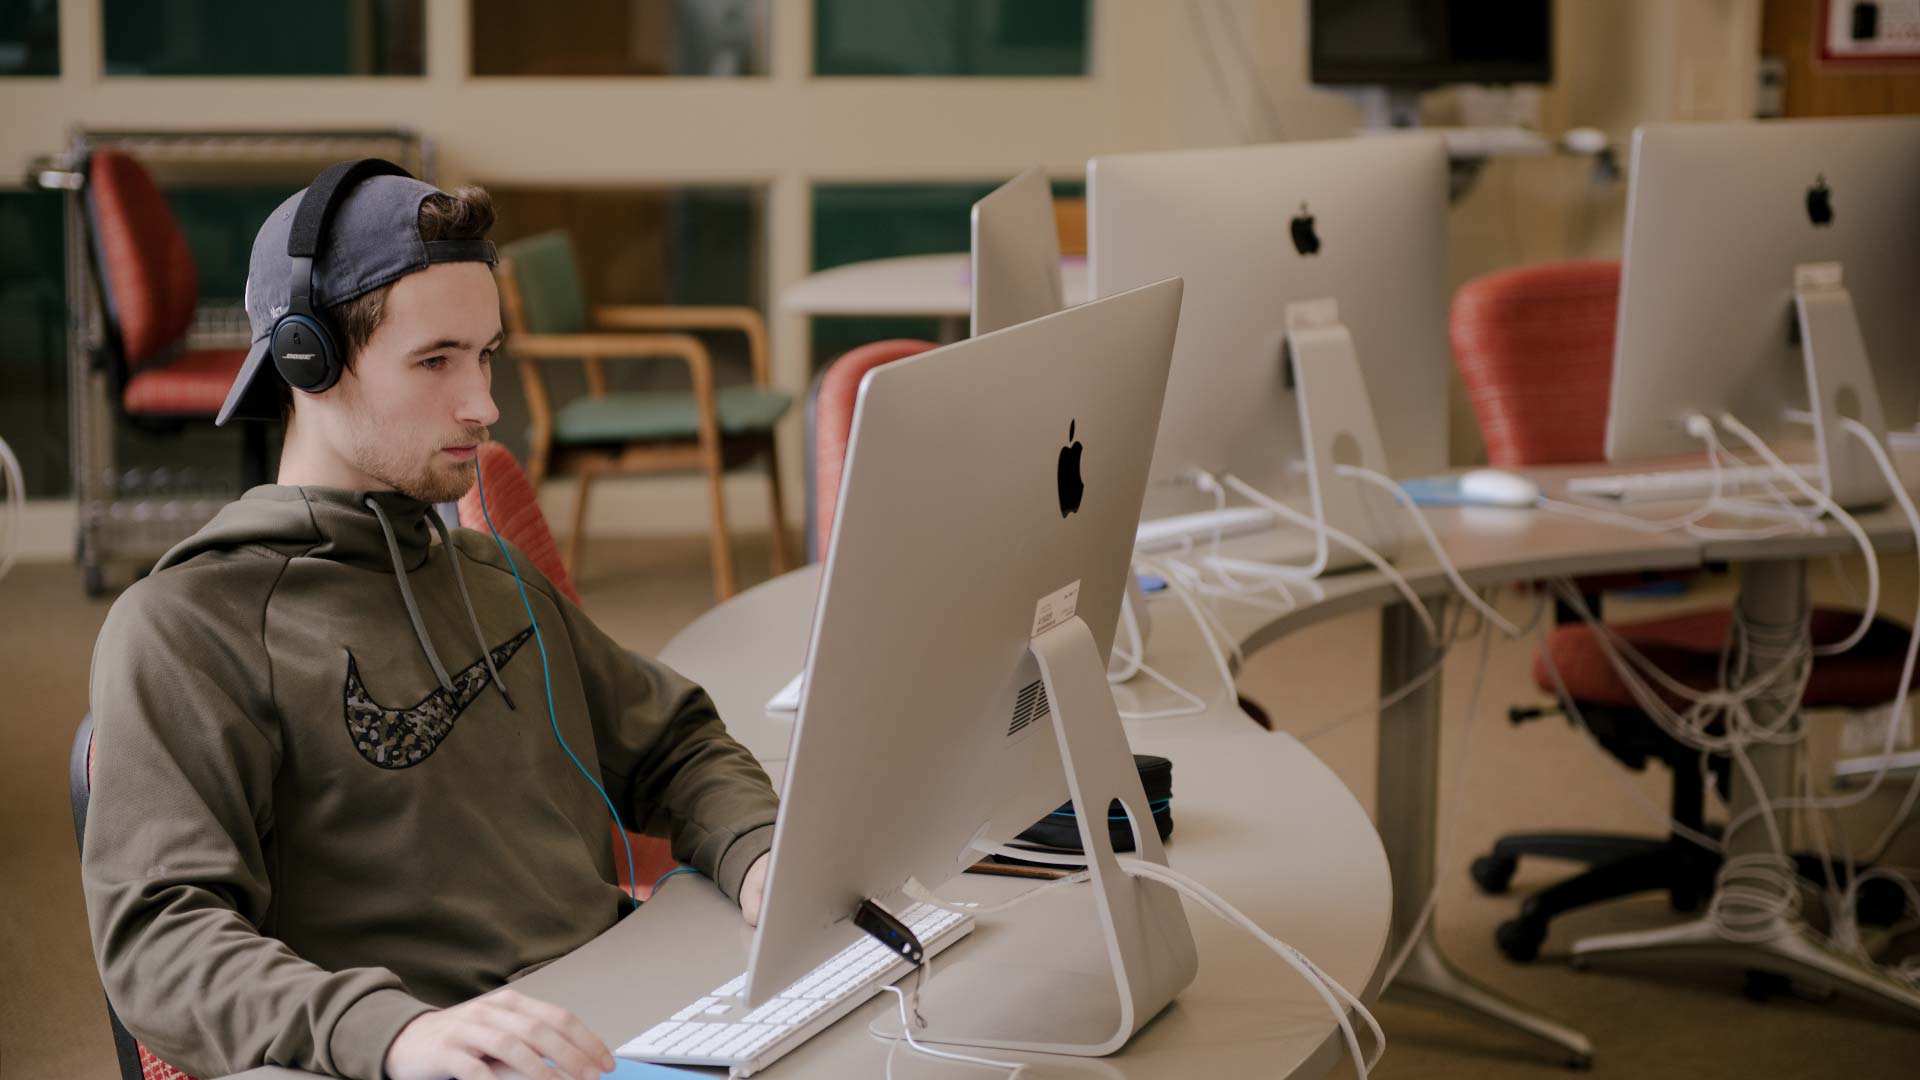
x=304, y=353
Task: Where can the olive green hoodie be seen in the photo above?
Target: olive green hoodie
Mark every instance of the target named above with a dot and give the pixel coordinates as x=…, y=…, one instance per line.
x=327, y=793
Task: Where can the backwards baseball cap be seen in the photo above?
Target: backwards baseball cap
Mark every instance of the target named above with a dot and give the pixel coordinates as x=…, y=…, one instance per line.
x=370, y=238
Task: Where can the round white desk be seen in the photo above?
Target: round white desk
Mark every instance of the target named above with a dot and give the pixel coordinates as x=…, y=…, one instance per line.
x=934, y=286
x=1256, y=816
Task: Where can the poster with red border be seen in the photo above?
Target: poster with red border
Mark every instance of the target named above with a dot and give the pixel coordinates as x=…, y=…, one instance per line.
x=1862, y=35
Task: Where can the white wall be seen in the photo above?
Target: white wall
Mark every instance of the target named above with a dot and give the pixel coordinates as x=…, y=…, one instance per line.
x=1153, y=85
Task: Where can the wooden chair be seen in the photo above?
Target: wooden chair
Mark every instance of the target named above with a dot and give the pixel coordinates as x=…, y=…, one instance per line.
x=709, y=429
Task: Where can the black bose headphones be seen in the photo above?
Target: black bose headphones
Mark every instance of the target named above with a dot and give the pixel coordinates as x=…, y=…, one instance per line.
x=306, y=351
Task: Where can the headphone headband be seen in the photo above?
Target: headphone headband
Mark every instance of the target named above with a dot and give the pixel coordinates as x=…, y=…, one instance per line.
x=324, y=195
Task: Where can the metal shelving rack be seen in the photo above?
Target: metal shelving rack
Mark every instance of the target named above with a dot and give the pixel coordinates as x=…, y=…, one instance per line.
x=133, y=516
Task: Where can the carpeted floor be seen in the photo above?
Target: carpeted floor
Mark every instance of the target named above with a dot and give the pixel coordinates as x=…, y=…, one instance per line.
x=1678, y=1023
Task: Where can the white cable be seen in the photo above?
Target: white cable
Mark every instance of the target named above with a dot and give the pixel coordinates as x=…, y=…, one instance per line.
x=1326, y=986
x=1014, y=1068
x=1447, y=567
x=16, y=507
x=1214, y=648
x=1732, y=423
x=1352, y=543
x=1854, y=798
x=1323, y=984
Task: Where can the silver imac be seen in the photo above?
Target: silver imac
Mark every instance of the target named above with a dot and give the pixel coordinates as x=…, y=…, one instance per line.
x=955, y=689
x=1254, y=230
x=1016, y=254
x=1770, y=266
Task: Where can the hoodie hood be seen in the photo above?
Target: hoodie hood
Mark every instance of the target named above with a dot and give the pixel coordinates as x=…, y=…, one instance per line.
x=383, y=531
x=316, y=522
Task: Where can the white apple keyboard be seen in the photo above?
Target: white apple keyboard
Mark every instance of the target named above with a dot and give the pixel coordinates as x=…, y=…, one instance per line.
x=719, y=1029
x=1691, y=483
x=1167, y=533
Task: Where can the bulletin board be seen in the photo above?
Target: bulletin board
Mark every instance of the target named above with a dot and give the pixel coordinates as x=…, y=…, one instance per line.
x=1867, y=34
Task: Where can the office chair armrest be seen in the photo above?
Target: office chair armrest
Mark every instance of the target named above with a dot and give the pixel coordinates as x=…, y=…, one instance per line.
x=748, y=321
x=594, y=349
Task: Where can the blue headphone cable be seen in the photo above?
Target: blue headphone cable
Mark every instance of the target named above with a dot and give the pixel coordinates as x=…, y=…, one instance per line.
x=546, y=673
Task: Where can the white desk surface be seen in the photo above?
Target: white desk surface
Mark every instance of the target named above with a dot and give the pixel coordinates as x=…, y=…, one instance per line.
x=917, y=285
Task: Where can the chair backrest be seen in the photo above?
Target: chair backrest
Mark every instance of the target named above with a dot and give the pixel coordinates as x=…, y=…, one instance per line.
x=833, y=422
x=547, y=279
x=515, y=507
x=1534, y=346
x=146, y=270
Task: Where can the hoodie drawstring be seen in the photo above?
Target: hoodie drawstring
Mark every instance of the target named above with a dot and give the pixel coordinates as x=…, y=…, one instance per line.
x=473, y=620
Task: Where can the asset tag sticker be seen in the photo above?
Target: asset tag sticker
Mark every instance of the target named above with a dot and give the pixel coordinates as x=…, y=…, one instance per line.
x=1055, y=609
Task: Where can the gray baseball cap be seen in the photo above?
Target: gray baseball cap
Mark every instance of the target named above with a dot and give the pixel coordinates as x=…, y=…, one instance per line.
x=371, y=239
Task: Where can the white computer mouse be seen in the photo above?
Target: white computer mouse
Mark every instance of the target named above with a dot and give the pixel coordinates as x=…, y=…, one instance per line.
x=1584, y=140
x=1495, y=487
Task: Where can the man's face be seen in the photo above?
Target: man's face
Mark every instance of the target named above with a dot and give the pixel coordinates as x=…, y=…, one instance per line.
x=415, y=406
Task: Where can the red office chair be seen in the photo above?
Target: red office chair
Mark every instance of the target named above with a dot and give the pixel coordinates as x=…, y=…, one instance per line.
x=149, y=290
x=1534, y=346
x=516, y=513
x=830, y=425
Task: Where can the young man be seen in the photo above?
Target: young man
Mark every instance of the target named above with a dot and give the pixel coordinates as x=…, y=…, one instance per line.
x=331, y=818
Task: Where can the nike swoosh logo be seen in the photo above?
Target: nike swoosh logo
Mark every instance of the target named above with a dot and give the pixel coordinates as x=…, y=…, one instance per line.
x=401, y=738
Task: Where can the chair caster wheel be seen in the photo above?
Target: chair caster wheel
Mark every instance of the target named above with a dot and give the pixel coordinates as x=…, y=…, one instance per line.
x=1762, y=986
x=1580, y=1063
x=1493, y=873
x=1880, y=903
x=1520, y=939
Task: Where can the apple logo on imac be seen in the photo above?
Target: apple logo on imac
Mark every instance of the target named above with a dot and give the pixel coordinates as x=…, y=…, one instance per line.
x=1820, y=202
x=1071, y=487
x=1305, y=240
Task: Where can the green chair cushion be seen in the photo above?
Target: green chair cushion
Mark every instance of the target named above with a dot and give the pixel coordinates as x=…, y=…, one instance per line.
x=742, y=410
x=551, y=299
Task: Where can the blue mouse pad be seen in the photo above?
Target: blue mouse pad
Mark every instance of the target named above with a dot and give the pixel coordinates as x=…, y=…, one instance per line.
x=640, y=1070
x=1434, y=491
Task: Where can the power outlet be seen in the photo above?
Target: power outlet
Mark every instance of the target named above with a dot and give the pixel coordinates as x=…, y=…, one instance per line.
x=1866, y=732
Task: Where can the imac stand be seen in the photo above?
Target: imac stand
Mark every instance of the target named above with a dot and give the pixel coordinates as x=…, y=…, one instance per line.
x=1337, y=428
x=1082, y=1005
x=1839, y=385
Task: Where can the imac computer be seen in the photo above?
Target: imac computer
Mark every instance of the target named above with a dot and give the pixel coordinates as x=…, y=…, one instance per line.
x=1771, y=267
x=955, y=690
x=1314, y=331
x=1016, y=254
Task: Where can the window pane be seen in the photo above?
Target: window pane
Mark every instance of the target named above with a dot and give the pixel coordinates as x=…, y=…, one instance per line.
x=33, y=338
x=680, y=246
x=950, y=37
x=620, y=37
x=246, y=37
x=29, y=37
x=857, y=222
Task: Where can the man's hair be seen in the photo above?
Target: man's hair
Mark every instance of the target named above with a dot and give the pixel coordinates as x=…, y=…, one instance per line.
x=464, y=214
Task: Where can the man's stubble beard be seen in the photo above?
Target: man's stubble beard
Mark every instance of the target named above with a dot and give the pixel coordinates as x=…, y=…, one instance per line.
x=426, y=480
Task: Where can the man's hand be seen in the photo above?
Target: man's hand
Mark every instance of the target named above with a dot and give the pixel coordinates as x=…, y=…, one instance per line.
x=475, y=1040
x=752, y=889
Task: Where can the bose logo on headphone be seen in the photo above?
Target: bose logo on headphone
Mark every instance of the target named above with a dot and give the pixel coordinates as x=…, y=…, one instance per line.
x=298, y=355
